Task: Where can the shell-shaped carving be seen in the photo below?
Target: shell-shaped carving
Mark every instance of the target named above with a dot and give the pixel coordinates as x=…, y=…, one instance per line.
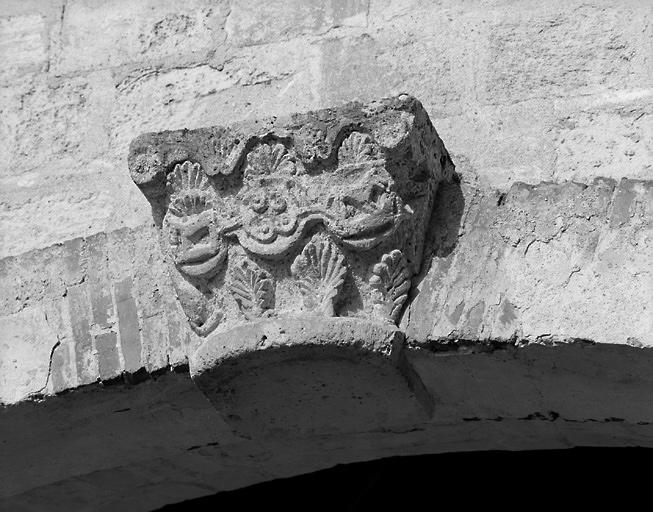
x=320, y=271
x=191, y=191
x=391, y=282
x=269, y=159
x=355, y=149
x=253, y=289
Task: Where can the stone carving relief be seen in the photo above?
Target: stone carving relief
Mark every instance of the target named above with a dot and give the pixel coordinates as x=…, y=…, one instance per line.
x=391, y=282
x=253, y=290
x=292, y=245
x=320, y=214
x=320, y=271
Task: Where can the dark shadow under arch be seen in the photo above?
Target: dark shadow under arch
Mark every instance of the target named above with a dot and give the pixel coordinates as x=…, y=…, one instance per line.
x=488, y=480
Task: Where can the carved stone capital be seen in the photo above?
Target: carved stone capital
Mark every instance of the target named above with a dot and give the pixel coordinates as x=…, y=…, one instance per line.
x=317, y=220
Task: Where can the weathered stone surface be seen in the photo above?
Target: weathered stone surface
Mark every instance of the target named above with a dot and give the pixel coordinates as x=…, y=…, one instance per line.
x=46, y=119
x=337, y=198
x=142, y=34
x=505, y=106
x=25, y=349
x=91, y=313
x=546, y=275
x=170, y=444
x=165, y=100
x=540, y=263
x=545, y=51
x=253, y=23
x=23, y=45
x=622, y=131
x=262, y=374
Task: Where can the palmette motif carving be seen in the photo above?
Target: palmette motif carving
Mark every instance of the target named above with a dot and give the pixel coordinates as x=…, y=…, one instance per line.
x=284, y=217
x=253, y=289
x=356, y=148
x=391, y=281
x=191, y=193
x=268, y=159
x=320, y=271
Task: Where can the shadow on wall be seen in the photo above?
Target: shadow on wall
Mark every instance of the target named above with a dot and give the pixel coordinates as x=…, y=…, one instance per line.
x=443, y=229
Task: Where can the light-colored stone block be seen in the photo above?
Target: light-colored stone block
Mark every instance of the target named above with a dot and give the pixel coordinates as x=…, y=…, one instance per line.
x=556, y=51
x=254, y=23
x=165, y=100
x=23, y=45
x=544, y=263
x=98, y=34
x=26, y=344
x=54, y=122
x=619, y=129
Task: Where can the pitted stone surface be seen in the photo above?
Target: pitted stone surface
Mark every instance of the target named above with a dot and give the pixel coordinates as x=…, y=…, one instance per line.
x=304, y=375
x=329, y=207
x=524, y=287
x=575, y=105
x=540, y=263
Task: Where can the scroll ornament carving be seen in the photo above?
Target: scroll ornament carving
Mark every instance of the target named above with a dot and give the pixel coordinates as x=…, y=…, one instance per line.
x=320, y=272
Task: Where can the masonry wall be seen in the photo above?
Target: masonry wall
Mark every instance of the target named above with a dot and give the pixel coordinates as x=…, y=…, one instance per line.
x=519, y=91
x=530, y=323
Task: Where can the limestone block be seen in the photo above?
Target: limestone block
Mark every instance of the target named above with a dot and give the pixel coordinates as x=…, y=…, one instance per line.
x=254, y=23
x=504, y=143
x=410, y=56
x=262, y=376
x=26, y=346
x=556, y=51
x=165, y=100
x=619, y=130
x=101, y=300
x=23, y=45
x=54, y=120
x=545, y=263
x=96, y=34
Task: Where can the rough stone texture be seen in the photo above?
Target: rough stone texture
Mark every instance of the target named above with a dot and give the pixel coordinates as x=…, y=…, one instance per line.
x=98, y=307
x=261, y=375
x=322, y=212
x=546, y=262
x=482, y=282
x=168, y=443
x=529, y=325
x=550, y=91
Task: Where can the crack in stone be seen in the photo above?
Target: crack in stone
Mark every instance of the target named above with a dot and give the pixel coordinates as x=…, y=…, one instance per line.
x=38, y=394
